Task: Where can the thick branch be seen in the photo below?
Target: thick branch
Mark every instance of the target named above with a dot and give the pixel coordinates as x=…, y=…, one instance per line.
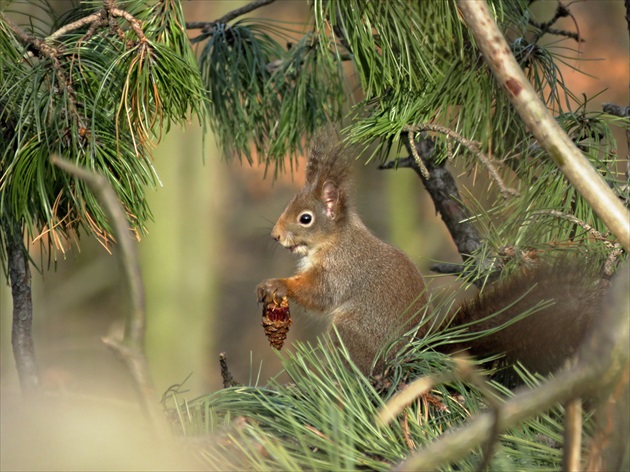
x=443, y=190
x=21, y=332
x=541, y=123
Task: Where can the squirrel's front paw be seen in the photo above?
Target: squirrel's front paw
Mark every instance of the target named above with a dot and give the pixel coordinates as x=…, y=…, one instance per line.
x=271, y=290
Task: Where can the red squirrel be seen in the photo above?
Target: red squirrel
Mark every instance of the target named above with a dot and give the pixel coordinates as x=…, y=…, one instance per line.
x=371, y=292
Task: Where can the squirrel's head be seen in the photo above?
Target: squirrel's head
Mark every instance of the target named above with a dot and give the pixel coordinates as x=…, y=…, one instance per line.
x=312, y=219
x=315, y=217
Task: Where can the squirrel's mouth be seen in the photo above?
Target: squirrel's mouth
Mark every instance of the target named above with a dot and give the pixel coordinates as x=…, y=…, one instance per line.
x=299, y=248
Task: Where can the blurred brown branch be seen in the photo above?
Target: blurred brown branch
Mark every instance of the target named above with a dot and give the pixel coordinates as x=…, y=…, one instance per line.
x=131, y=347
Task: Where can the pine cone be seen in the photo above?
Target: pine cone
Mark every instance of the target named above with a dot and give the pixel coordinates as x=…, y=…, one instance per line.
x=276, y=320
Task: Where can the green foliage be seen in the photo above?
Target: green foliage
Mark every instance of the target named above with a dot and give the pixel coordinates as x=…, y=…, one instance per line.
x=97, y=95
x=264, y=98
x=412, y=69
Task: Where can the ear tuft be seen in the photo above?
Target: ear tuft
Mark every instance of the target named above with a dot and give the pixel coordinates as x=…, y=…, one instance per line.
x=330, y=198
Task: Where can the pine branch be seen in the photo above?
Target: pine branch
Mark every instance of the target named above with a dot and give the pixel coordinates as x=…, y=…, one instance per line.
x=44, y=50
x=541, y=123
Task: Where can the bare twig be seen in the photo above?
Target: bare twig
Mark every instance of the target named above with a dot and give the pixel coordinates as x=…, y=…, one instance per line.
x=615, y=248
x=541, y=123
x=80, y=23
x=206, y=27
x=131, y=347
x=472, y=146
x=21, y=332
x=411, y=136
x=99, y=19
x=546, y=27
x=592, y=231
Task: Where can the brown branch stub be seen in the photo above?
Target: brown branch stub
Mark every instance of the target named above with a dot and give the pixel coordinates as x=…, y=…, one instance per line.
x=226, y=375
x=473, y=146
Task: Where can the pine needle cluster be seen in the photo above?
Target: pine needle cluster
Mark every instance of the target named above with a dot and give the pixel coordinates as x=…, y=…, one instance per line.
x=97, y=85
x=325, y=418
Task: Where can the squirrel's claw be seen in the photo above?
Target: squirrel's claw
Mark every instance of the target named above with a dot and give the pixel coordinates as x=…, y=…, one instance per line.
x=271, y=290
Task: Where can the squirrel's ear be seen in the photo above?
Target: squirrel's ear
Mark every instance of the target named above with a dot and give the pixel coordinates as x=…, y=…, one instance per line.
x=330, y=198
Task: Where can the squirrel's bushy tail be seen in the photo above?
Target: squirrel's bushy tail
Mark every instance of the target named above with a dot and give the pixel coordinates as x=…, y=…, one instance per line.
x=566, y=297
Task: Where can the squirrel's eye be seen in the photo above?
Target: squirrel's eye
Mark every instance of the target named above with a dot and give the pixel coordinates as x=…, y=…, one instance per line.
x=306, y=218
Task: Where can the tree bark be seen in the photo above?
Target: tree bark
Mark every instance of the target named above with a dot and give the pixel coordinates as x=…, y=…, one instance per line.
x=21, y=332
